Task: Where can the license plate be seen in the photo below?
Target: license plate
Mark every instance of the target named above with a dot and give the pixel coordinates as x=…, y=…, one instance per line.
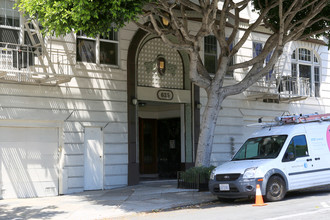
x=224, y=187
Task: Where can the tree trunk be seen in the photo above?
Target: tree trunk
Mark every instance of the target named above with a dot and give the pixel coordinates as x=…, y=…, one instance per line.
x=208, y=124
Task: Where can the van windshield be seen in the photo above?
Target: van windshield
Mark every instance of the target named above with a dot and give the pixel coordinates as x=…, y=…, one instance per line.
x=261, y=148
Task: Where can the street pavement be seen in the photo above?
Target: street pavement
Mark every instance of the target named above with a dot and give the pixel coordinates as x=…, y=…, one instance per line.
x=149, y=196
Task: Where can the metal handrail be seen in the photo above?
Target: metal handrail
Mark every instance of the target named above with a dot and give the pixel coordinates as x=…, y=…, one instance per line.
x=21, y=63
x=23, y=57
x=294, y=86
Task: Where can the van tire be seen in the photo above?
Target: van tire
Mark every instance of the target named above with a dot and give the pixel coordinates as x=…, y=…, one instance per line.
x=276, y=189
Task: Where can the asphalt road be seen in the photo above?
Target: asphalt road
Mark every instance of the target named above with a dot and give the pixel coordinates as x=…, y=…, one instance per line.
x=301, y=205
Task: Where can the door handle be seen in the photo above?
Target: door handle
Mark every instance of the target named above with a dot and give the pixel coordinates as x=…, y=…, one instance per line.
x=309, y=160
x=317, y=158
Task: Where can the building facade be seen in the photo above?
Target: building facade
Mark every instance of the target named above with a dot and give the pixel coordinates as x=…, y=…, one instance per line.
x=78, y=113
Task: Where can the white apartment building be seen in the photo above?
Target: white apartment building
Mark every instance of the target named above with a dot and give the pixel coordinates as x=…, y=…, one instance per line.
x=78, y=113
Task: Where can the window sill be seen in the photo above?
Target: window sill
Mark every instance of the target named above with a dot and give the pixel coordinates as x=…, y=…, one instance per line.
x=93, y=65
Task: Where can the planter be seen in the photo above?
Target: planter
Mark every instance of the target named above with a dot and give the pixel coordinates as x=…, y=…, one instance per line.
x=198, y=181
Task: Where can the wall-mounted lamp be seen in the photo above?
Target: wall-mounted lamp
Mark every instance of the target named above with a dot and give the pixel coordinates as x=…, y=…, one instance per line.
x=165, y=21
x=198, y=105
x=134, y=101
x=161, y=64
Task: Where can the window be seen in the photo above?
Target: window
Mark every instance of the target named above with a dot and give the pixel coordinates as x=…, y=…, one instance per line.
x=9, y=20
x=317, y=81
x=294, y=70
x=297, y=148
x=109, y=48
x=305, y=69
x=103, y=49
x=86, y=49
x=257, y=49
x=211, y=54
x=267, y=147
x=304, y=54
x=13, y=53
x=8, y=15
x=9, y=36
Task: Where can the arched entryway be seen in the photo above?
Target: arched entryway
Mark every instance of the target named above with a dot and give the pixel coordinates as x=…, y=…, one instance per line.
x=163, y=121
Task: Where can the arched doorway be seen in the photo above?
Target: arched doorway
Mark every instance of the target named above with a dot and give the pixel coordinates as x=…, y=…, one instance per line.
x=162, y=118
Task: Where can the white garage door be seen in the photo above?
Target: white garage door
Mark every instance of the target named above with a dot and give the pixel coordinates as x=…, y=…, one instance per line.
x=28, y=162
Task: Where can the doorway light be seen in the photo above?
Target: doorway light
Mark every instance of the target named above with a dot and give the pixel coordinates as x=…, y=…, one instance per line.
x=134, y=101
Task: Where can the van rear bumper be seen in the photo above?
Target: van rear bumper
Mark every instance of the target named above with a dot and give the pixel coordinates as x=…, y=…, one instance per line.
x=240, y=188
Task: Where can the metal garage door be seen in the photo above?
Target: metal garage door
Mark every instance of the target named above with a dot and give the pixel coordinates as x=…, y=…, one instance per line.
x=28, y=162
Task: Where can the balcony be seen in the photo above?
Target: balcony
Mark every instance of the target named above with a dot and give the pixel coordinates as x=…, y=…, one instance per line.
x=293, y=88
x=31, y=65
x=280, y=89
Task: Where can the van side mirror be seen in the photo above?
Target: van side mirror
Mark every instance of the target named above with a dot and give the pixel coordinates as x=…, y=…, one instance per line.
x=291, y=156
x=288, y=156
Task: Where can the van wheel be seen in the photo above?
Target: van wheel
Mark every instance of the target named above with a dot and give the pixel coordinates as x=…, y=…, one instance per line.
x=276, y=189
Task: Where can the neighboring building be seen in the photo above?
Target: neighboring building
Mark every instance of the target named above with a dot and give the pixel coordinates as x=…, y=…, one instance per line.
x=86, y=114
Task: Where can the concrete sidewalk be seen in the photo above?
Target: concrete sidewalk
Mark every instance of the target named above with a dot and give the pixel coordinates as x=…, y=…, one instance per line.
x=106, y=204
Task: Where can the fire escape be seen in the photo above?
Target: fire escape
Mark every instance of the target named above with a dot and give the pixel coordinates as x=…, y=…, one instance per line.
x=33, y=61
x=279, y=85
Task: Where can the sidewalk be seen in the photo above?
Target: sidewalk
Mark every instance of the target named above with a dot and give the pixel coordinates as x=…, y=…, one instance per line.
x=106, y=204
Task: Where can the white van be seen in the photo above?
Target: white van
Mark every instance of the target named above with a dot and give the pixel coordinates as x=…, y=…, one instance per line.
x=291, y=154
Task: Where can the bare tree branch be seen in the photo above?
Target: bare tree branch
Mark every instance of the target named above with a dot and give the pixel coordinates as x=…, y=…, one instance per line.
x=302, y=37
x=253, y=75
x=240, y=5
x=281, y=30
x=196, y=67
x=191, y=5
x=252, y=27
x=234, y=32
x=265, y=51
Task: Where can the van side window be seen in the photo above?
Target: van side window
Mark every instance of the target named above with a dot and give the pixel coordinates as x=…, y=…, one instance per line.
x=297, y=148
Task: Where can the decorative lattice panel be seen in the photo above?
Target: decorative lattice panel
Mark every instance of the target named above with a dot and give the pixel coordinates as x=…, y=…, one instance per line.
x=148, y=70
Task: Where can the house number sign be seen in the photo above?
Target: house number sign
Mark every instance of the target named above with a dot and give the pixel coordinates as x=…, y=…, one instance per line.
x=165, y=95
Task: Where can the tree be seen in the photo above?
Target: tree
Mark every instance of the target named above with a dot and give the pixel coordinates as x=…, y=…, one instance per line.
x=288, y=20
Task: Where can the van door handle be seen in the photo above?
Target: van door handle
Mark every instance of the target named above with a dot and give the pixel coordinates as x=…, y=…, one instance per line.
x=317, y=158
x=309, y=159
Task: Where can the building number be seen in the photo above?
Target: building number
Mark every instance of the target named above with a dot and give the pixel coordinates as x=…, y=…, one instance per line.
x=165, y=95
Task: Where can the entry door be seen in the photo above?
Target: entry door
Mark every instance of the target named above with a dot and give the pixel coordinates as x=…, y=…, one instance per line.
x=148, y=146
x=169, y=147
x=93, y=159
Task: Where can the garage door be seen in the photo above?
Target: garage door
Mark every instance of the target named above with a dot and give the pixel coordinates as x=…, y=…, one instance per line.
x=28, y=162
